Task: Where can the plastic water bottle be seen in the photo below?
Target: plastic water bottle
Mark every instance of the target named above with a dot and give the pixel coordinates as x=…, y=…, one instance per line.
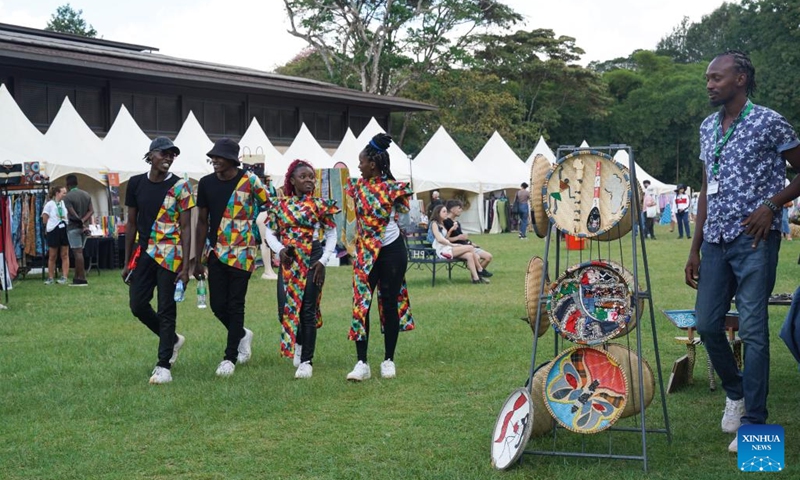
x=179, y=291
x=201, y=293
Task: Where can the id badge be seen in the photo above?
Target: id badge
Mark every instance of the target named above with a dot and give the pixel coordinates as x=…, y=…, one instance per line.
x=713, y=187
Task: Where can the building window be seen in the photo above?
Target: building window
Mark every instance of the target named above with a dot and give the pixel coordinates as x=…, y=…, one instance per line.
x=155, y=115
x=217, y=118
x=278, y=123
x=41, y=102
x=324, y=126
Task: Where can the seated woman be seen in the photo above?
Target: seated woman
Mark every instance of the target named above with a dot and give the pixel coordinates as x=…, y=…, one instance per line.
x=447, y=249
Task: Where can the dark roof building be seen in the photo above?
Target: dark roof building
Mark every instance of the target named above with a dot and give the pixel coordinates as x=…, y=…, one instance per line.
x=40, y=68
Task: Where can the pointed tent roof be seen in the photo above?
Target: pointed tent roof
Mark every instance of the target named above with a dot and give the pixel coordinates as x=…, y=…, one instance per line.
x=256, y=141
x=660, y=187
x=305, y=147
x=584, y=145
x=401, y=166
x=498, y=166
x=441, y=164
x=541, y=148
x=124, y=146
x=194, y=144
x=70, y=146
x=347, y=153
x=20, y=140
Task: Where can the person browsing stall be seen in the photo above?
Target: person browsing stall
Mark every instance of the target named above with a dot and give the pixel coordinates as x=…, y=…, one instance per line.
x=744, y=148
x=227, y=201
x=159, y=211
x=54, y=216
x=80, y=211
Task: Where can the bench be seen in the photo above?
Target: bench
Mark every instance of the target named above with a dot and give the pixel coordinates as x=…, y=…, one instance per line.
x=421, y=254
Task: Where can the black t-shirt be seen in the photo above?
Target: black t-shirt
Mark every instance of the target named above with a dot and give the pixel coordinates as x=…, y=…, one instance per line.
x=448, y=224
x=147, y=198
x=214, y=194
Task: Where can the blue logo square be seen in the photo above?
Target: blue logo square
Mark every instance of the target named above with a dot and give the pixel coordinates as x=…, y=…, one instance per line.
x=761, y=448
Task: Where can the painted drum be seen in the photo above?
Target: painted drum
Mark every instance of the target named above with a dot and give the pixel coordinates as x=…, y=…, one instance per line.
x=586, y=390
x=581, y=180
x=592, y=303
x=512, y=429
x=629, y=362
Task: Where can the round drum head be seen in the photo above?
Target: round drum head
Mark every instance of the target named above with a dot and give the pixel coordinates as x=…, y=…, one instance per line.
x=539, y=170
x=533, y=285
x=512, y=430
x=587, y=194
x=592, y=303
x=585, y=390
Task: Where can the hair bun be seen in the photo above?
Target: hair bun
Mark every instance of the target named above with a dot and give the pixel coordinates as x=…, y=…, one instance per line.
x=382, y=141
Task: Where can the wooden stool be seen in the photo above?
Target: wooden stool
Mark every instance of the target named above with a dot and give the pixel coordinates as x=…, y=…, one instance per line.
x=691, y=352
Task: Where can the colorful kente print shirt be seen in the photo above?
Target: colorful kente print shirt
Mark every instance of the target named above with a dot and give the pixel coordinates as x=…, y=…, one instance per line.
x=293, y=220
x=374, y=199
x=164, y=245
x=751, y=169
x=236, y=245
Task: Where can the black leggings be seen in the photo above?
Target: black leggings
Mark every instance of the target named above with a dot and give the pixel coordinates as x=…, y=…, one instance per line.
x=389, y=271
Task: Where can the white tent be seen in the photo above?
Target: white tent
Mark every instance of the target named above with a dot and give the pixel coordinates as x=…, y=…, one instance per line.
x=541, y=148
x=347, y=153
x=70, y=146
x=660, y=187
x=401, y=165
x=442, y=165
x=20, y=141
x=499, y=167
x=584, y=145
x=305, y=147
x=194, y=144
x=255, y=141
x=124, y=147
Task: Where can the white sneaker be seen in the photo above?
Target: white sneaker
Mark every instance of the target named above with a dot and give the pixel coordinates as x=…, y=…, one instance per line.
x=177, y=348
x=298, y=350
x=360, y=372
x=226, y=368
x=269, y=275
x=160, y=375
x=304, y=370
x=734, y=446
x=244, y=347
x=387, y=369
x=732, y=419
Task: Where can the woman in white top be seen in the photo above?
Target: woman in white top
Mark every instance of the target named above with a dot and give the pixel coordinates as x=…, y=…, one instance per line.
x=54, y=216
x=447, y=249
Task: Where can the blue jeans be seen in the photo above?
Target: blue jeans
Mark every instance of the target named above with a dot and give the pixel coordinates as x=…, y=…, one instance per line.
x=683, y=223
x=749, y=273
x=524, y=211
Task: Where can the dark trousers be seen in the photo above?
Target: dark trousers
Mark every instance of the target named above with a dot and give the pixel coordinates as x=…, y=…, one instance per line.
x=683, y=223
x=148, y=276
x=388, y=272
x=227, y=289
x=648, y=227
x=307, y=332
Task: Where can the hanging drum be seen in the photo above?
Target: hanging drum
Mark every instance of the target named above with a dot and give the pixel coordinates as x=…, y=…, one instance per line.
x=587, y=195
x=512, y=429
x=592, y=302
x=629, y=362
x=539, y=170
x=533, y=286
x=585, y=390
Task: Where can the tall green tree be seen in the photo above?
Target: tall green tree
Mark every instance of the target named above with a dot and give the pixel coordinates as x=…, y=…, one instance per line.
x=383, y=45
x=68, y=20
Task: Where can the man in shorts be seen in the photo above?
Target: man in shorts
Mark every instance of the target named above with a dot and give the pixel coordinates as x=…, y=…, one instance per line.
x=80, y=211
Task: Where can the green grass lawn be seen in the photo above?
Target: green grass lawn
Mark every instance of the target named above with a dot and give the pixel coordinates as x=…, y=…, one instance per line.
x=75, y=402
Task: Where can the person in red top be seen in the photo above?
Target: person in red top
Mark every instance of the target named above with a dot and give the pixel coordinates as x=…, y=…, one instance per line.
x=682, y=204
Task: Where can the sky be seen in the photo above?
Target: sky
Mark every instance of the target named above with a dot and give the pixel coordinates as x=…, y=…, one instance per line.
x=253, y=33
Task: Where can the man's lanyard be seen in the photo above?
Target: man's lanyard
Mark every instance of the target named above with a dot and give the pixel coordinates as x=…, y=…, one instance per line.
x=720, y=144
x=60, y=211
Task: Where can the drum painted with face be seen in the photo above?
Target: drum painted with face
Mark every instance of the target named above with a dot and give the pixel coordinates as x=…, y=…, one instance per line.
x=587, y=194
x=629, y=362
x=592, y=303
x=586, y=390
x=512, y=429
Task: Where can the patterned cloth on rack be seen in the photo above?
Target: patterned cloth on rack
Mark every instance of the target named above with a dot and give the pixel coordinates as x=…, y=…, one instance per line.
x=374, y=199
x=294, y=219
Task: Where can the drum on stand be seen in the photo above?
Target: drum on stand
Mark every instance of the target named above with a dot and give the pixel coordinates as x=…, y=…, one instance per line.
x=512, y=429
x=539, y=170
x=629, y=362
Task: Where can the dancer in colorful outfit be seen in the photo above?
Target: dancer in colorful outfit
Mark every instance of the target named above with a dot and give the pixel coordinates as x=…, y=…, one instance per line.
x=297, y=220
x=228, y=200
x=380, y=258
x=159, y=205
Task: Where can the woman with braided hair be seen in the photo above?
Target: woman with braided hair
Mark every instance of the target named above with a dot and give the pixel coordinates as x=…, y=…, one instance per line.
x=380, y=258
x=293, y=232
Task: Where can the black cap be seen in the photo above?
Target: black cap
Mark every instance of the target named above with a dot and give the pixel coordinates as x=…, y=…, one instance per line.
x=225, y=148
x=163, y=144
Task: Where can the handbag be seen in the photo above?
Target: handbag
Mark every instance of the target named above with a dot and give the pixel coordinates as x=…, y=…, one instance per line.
x=515, y=208
x=10, y=173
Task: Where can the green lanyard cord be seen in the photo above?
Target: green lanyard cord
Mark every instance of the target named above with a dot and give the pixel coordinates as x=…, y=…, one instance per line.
x=719, y=145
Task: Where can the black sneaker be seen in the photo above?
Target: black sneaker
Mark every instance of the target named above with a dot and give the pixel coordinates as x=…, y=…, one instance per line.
x=79, y=282
x=485, y=273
